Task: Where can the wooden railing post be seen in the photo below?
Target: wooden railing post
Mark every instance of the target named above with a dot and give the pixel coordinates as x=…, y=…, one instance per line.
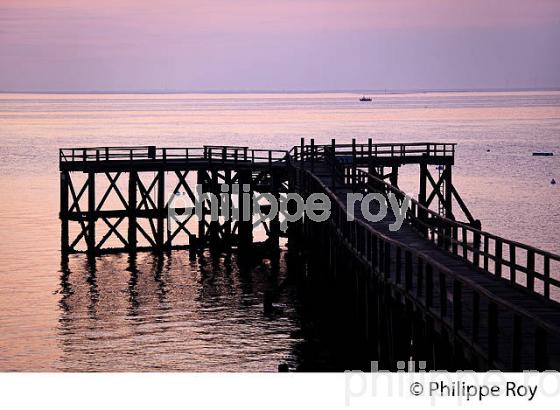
x=302, y=143
x=530, y=269
x=454, y=238
x=312, y=154
x=353, y=164
x=512, y=263
x=476, y=248
x=486, y=252
x=498, y=258
x=546, y=273
x=464, y=242
x=333, y=164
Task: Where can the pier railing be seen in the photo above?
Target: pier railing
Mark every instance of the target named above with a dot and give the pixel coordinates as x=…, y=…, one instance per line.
x=521, y=264
x=343, y=152
x=447, y=296
x=525, y=266
x=358, y=152
x=210, y=153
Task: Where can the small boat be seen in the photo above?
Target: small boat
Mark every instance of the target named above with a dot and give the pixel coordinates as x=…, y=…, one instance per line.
x=364, y=98
x=543, y=154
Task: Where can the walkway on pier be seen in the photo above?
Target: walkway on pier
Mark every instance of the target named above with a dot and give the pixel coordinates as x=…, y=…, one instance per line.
x=508, y=321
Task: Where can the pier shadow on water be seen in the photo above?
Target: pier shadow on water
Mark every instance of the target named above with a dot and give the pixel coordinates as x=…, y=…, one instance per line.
x=184, y=312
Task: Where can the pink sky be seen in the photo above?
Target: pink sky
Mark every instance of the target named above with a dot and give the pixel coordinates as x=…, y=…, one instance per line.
x=278, y=44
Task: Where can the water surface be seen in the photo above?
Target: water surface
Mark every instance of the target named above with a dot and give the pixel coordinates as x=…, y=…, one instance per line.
x=178, y=313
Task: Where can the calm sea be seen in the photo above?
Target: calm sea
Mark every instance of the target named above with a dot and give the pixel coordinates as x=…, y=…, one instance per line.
x=175, y=313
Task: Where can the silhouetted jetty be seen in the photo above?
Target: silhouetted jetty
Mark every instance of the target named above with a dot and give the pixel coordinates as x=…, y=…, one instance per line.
x=440, y=290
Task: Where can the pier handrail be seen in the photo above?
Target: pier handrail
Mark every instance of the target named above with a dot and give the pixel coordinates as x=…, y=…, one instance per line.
x=370, y=149
x=465, y=241
x=313, y=152
x=142, y=153
x=379, y=250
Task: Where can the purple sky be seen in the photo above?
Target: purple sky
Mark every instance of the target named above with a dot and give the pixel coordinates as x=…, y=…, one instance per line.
x=190, y=45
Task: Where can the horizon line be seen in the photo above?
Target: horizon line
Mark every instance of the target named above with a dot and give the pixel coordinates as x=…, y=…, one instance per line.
x=289, y=91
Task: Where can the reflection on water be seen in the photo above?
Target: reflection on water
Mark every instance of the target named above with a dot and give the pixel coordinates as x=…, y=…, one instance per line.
x=175, y=312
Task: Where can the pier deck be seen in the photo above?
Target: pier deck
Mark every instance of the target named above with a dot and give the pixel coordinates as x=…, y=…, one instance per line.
x=516, y=346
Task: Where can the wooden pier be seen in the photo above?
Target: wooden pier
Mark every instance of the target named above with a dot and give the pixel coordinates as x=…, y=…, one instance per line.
x=438, y=290
x=153, y=178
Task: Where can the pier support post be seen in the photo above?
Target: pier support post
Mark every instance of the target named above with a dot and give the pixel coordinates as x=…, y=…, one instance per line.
x=64, y=235
x=422, y=185
x=448, y=192
x=245, y=227
x=226, y=225
x=422, y=194
x=394, y=179
x=133, y=175
x=161, y=210
x=201, y=222
x=294, y=228
x=214, y=225
x=373, y=317
x=91, y=213
x=274, y=236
